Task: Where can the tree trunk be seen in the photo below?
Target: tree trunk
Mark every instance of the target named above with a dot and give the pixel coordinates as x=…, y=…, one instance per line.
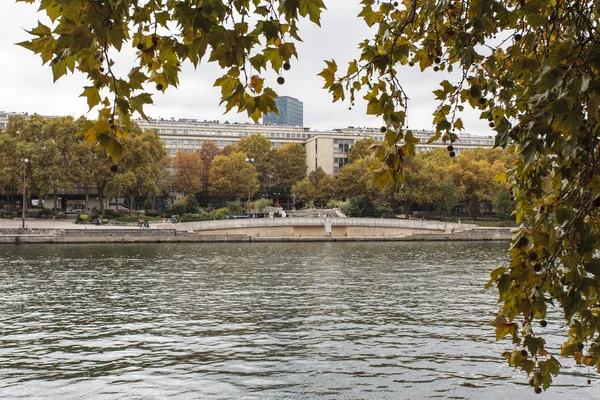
x=131, y=198
x=55, y=208
x=101, y=200
x=117, y=200
x=87, y=199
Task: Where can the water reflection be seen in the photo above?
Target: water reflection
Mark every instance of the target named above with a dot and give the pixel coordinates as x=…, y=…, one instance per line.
x=255, y=321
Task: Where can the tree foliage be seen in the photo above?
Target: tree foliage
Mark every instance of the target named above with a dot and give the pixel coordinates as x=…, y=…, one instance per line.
x=229, y=176
x=141, y=168
x=289, y=164
x=258, y=147
x=361, y=149
x=532, y=68
x=188, y=176
x=84, y=34
x=354, y=179
x=208, y=152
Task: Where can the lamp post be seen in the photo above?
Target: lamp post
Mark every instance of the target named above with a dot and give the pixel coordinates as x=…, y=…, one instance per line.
x=249, y=160
x=24, y=161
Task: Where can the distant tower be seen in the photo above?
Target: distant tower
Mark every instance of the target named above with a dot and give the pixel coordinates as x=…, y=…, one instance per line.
x=291, y=112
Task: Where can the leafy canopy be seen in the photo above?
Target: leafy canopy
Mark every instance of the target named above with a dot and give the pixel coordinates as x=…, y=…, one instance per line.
x=531, y=67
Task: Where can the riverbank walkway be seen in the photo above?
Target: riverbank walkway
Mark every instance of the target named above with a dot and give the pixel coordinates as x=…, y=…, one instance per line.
x=300, y=229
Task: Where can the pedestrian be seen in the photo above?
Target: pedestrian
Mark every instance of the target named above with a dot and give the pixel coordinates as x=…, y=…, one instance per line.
x=139, y=222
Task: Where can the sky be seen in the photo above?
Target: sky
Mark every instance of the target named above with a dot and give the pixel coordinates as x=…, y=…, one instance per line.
x=26, y=85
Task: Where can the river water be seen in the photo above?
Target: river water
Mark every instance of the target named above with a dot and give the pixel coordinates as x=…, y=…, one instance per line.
x=258, y=321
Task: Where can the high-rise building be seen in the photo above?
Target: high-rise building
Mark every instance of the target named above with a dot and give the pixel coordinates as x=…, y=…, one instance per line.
x=291, y=112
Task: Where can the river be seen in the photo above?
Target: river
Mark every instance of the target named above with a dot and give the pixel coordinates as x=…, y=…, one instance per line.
x=259, y=321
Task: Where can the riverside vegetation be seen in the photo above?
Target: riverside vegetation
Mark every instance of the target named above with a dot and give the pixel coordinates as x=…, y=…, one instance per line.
x=60, y=159
x=531, y=67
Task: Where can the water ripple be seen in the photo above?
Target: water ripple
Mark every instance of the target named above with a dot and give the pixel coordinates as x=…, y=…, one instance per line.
x=256, y=321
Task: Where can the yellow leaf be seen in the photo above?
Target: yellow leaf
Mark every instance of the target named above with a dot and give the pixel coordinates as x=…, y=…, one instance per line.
x=257, y=83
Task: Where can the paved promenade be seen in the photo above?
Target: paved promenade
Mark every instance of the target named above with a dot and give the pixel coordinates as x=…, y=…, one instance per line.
x=67, y=231
x=69, y=224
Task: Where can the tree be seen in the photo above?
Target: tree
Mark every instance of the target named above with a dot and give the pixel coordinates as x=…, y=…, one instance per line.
x=188, y=176
x=354, y=179
x=229, y=149
x=504, y=204
x=228, y=178
x=53, y=157
x=141, y=167
x=92, y=168
x=191, y=204
x=324, y=186
x=538, y=84
x=208, y=152
x=474, y=207
x=361, y=149
x=448, y=200
x=289, y=164
x=360, y=207
x=258, y=147
x=304, y=191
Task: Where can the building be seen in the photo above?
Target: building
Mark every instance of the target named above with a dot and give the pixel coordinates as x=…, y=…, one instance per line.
x=291, y=113
x=328, y=150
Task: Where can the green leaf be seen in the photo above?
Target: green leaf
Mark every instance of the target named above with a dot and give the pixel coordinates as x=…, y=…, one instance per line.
x=92, y=94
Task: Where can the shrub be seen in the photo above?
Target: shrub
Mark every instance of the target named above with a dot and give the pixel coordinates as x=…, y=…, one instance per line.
x=220, y=213
x=260, y=204
x=149, y=203
x=235, y=207
x=334, y=204
x=82, y=217
x=44, y=212
x=191, y=204
x=178, y=209
x=134, y=219
x=112, y=214
x=152, y=213
x=193, y=217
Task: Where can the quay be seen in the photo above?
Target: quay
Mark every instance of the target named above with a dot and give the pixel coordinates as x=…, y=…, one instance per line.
x=300, y=229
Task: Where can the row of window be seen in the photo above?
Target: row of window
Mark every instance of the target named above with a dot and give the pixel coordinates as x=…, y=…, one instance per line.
x=488, y=142
x=194, y=145
x=229, y=133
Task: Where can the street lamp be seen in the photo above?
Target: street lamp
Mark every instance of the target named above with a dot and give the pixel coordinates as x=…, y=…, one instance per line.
x=24, y=161
x=249, y=160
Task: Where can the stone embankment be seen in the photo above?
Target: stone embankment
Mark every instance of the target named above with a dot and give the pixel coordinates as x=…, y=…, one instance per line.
x=264, y=230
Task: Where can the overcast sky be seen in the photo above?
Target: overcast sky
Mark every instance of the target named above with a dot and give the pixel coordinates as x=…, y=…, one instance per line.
x=26, y=85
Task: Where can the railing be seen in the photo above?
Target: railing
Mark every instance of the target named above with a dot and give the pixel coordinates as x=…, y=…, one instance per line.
x=320, y=221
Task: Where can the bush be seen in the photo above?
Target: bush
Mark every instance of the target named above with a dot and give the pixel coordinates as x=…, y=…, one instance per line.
x=235, y=207
x=152, y=213
x=9, y=214
x=334, y=204
x=193, y=217
x=191, y=204
x=135, y=219
x=149, y=203
x=220, y=213
x=82, y=217
x=260, y=204
x=45, y=212
x=178, y=209
x=112, y=214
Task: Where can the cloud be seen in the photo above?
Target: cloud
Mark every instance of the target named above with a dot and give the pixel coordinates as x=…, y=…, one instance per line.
x=27, y=86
